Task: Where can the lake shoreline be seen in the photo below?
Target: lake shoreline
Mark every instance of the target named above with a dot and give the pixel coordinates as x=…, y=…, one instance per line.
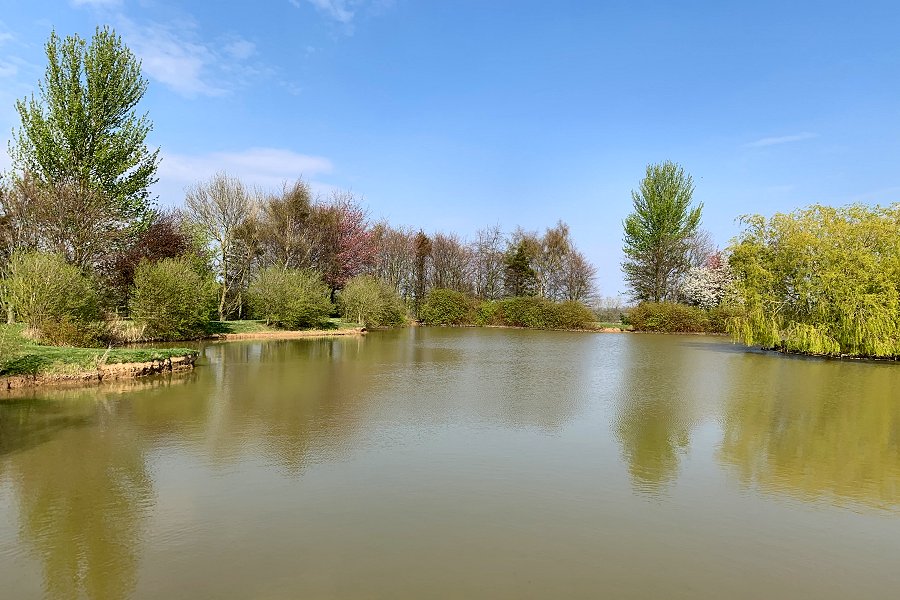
x=105, y=372
x=288, y=334
x=58, y=375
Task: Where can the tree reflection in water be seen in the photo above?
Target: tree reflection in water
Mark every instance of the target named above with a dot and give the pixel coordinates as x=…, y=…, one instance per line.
x=83, y=496
x=816, y=430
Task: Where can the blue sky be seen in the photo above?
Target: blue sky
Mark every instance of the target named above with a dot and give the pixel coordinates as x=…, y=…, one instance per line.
x=455, y=115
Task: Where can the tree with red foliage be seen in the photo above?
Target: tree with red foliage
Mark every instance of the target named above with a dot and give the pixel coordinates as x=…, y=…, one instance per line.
x=344, y=246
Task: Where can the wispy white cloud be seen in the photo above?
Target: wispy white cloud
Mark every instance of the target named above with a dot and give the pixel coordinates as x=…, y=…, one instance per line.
x=174, y=58
x=175, y=53
x=240, y=49
x=335, y=9
x=8, y=69
x=782, y=139
x=345, y=11
x=264, y=167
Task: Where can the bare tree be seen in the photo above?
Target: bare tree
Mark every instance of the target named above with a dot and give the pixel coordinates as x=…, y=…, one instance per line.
x=395, y=257
x=450, y=263
x=488, y=264
x=576, y=281
x=284, y=227
x=64, y=217
x=701, y=248
x=554, y=247
x=219, y=207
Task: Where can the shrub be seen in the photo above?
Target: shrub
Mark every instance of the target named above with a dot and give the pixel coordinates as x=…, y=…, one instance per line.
x=78, y=334
x=486, y=313
x=171, y=300
x=371, y=302
x=56, y=300
x=43, y=288
x=446, y=307
x=720, y=316
x=668, y=317
x=526, y=311
x=573, y=315
x=290, y=298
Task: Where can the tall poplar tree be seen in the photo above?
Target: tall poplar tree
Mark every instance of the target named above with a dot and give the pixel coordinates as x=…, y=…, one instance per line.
x=82, y=143
x=658, y=233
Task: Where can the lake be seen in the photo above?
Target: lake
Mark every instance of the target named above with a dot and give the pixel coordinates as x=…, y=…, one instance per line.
x=460, y=463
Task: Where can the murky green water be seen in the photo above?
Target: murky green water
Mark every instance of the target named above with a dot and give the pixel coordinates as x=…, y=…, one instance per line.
x=432, y=463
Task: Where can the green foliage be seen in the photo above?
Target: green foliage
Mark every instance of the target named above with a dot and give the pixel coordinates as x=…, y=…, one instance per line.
x=539, y=313
x=720, y=318
x=446, y=307
x=573, y=315
x=171, y=300
x=76, y=334
x=668, y=317
x=658, y=233
x=371, y=302
x=486, y=313
x=42, y=289
x=84, y=129
x=290, y=298
x=526, y=311
x=820, y=280
x=521, y=278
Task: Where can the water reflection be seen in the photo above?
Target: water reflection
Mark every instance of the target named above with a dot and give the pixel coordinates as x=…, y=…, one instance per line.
x=83, y=496
x=815, y=430
x=282, y=398
x=662, y=393
x=511, y=441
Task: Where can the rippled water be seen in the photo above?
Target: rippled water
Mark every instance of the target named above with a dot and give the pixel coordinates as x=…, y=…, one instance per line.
x=460, y=463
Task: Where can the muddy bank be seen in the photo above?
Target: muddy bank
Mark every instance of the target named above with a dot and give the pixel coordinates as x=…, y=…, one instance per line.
x=290, y=335
x=110, y=372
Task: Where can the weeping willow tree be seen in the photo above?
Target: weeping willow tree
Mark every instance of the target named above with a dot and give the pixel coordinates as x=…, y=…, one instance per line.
x=820, y=280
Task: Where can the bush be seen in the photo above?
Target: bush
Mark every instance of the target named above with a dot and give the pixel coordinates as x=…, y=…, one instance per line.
x=527, y=311
x=170, y=299
x=290, y=298
x=668, y=317
x=446, y=307
x=486, y=313
x=43, y=288
x=371, y=302
x=573, y=315
x=56, y=300
x=77, y=334
x=720, y=316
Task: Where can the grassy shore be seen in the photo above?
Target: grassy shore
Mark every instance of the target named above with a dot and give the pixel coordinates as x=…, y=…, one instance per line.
x=20, y=355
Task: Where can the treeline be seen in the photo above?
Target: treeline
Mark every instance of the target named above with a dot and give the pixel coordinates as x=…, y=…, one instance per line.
x=248, y=231
x=819, y=280
x=289, y=258
x=87, y=258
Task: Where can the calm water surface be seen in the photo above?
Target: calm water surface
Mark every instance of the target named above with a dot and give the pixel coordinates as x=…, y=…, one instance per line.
x=460, y=463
